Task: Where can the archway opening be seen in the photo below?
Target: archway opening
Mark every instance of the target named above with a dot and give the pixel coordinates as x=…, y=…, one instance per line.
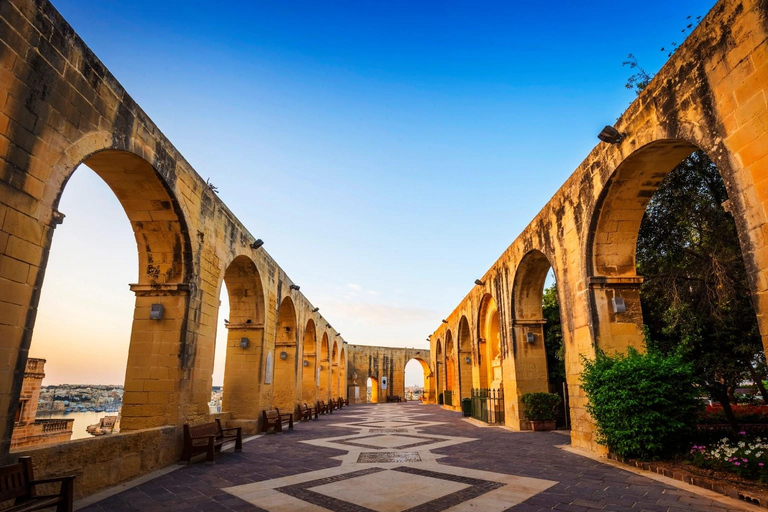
x=537, y=346
x=439, y=377
x=343, y=391
x=416, y=379
x=372, y=390
x=667, y=270
x=308, y=371
x=240, y=335
x=489, y=345
x=286, y=363
x=465, y=360
x=93, y=330
x=335, y=371
x=323, y=370
x=450, y=394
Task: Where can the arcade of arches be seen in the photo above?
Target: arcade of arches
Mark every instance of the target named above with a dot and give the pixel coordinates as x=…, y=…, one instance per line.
x=711, y=95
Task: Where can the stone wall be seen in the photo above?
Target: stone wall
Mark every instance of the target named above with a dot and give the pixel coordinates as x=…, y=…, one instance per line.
x=711, y=95
x=384, y=363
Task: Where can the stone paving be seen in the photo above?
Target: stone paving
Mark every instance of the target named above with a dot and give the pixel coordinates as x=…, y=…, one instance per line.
x=405, y=457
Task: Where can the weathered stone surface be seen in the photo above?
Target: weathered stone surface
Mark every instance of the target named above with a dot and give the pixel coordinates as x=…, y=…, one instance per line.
x=711, y=95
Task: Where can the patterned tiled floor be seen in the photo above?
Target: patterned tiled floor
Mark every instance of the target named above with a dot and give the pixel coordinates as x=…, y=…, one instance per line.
x=404, y=457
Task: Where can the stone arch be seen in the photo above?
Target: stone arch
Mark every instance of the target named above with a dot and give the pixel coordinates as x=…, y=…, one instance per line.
x=245, y=338
x=323, y=369
x=451, y=384
x=465, y=358
x=427, y=376
x=343, y=392
x=440, y=384
x=286, y=362
x=612, y=238
x=529, y=351
x=489, y=343
x=374, y=385
x=164, y=269
x=335, y=370
x=309, y=362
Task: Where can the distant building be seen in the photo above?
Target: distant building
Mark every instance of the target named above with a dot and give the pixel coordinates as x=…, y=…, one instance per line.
x=27, y=430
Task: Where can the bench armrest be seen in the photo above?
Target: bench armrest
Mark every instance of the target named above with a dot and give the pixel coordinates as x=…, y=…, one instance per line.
x=232, y=428
x=52, y=480
x=202, y=437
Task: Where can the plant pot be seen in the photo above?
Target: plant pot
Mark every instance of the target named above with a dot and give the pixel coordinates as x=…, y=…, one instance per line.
x=540, y=426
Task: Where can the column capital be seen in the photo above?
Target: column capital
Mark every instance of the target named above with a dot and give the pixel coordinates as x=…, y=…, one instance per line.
x=160, y=290
x=596, y=282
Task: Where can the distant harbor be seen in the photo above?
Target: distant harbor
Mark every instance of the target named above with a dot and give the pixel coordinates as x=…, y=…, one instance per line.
x=82, y=420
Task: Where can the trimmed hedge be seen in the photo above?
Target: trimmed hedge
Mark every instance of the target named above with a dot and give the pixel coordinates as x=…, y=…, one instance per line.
x=644, y=405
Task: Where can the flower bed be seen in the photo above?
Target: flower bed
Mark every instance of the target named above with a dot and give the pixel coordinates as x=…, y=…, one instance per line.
x=752, y=414
x=747, y=457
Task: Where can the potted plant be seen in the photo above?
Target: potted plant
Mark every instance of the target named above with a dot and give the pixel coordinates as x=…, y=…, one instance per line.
x=539, y=409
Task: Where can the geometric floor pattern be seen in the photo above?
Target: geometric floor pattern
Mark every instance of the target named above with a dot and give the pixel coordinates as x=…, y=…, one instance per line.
x=404, y=457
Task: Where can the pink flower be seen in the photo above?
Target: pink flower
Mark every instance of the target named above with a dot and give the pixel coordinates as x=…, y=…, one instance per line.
x=760, y=464
x=744, y=460
x=742, y=433
x=737, y=463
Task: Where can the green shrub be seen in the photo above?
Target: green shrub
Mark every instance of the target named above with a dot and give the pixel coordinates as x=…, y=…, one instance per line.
x=540, y=406
x=644, y=405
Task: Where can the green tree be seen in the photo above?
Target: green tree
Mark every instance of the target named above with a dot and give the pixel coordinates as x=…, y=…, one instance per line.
x=553, y=339
x=696, y=295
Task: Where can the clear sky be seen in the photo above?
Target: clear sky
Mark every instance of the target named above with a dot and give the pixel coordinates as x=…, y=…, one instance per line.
x=386, y=152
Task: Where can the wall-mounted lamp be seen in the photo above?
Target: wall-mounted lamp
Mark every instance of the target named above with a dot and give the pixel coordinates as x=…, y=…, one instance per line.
x=283, y=355
x=244, y=342
x=467, y=359
x=445, y=321
x=479, y=282
x=258, y=243
x=611, y=135
x=316, y=310
x=306, y=363
x=295, y=287
x=530, y=337
x=619, y=306
x=156, y=312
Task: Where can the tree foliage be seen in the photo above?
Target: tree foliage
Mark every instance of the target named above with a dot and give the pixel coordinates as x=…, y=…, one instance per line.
x=696, y=295
x=553, y=338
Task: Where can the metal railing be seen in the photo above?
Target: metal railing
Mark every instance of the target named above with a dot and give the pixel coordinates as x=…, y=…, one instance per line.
x=488, y=405
x=448, y=397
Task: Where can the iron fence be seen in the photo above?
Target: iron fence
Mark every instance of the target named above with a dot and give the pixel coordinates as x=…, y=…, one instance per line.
x=488, y=405
x=448, y=397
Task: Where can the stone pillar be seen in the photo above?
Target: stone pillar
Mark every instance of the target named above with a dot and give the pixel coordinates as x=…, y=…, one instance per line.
x=242, y=371
x=154, y=373
x=525, y=372
x=617, y=331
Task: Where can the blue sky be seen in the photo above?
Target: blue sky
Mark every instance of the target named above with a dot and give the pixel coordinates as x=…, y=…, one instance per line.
x=387, y=152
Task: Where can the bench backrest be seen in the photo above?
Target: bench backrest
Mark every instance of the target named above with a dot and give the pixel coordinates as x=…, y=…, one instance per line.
x=204, y=429
x=304, y=407
x=271, y=417
x=14, y=480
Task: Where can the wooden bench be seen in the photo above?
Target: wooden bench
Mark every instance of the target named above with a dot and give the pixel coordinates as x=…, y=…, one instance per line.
x=275, y=419
x=208, y=438
x=346, y=402
x=306, y=412
x=17, y=483
x=393, y=398
x=323, y=408
x=340, y=402
x=332, y=404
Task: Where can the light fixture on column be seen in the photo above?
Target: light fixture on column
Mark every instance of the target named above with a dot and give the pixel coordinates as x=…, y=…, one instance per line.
x=244, y=342
x=530, y=337
x=479, y=282
x=258, y=243
x=156, y=312
x=467, y=359
x=316, y=310
x=295, y=287
x=619, y=306
x=306, y=363
x=283, y=355
x=611, y=135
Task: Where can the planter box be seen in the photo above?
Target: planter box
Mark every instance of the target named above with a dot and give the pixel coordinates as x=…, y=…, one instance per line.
x=540, y=426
